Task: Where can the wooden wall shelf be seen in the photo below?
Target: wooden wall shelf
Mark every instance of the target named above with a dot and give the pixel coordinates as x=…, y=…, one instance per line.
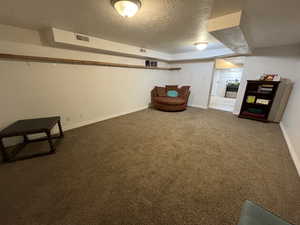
x=80, y=62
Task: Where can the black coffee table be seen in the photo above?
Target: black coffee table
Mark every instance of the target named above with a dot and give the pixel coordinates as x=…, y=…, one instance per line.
x=27, y=127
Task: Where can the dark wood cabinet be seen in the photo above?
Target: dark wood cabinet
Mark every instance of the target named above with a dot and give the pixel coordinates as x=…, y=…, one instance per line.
x=258, y=99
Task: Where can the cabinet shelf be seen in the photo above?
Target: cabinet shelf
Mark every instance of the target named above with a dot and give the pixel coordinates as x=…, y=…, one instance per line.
x=252, y=118
x=257, y=111
x=258, y=93
x=257, y=104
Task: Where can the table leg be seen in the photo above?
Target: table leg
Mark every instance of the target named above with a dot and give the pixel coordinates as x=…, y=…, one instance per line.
x=3, y=152
x=60, y=129
x=48, y=133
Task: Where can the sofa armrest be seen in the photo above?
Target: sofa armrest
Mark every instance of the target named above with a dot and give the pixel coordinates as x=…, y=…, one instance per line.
x=184, y=92
x=153, y=93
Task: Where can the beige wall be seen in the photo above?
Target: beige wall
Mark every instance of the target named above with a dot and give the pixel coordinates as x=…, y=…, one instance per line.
x=198, y=76
x=85, y=94
x=79, y=94
x=16, y=34
x=224, y=64
x=283, y=61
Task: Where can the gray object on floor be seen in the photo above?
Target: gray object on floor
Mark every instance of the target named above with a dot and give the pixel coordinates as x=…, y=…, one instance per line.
x=253, y=214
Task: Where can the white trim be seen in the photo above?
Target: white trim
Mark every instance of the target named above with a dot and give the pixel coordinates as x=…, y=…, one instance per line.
x=220, y=108
x=80, y=124
x=198, y=106
x=88, y=122
x=291, y=148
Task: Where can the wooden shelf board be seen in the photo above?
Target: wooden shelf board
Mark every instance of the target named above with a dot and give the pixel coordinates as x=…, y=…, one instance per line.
x=252, y=118
x=81, y=62
x=263, y=81
x=257, y=104
x=261, y=93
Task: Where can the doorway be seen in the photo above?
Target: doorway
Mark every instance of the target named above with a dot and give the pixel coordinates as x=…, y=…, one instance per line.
x=225, y=83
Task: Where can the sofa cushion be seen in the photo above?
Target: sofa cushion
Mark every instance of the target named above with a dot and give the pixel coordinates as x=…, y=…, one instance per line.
x=169, y=100
x=161, y=91
x=172, y=93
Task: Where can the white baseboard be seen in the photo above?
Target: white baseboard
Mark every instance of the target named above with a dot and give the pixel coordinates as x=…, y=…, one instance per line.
x=291, y=148
x=77, y=125
x=220, y=108
x=88, y=122
x=198, y=106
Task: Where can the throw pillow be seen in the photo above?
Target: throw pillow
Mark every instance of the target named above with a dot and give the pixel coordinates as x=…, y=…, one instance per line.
x=172, y=93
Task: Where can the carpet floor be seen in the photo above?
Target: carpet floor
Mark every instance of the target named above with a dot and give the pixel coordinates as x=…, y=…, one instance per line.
x=154, y=168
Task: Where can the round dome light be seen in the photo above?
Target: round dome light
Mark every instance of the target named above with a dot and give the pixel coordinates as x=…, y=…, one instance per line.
x=201, y=45
x=126, y=8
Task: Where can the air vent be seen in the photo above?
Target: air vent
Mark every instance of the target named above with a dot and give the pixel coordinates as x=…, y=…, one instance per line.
x=82, y=38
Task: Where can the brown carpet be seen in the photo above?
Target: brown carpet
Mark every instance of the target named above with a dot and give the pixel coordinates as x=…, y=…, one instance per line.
x=151, y=167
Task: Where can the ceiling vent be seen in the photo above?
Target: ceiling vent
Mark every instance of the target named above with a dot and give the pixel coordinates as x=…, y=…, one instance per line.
x=80, y=37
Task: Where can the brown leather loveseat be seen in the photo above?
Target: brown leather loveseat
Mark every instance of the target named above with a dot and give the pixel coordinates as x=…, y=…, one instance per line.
x=161, y=101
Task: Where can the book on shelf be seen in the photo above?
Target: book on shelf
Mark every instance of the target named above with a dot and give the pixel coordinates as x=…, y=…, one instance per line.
x=262, y=101
x=251, y=99
x=265, y=90
x=270, y=77
x=267, y=85
x=256, y=111
x=246, y=113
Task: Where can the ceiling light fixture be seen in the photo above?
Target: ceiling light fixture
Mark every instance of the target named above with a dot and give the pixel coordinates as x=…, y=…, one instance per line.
x=201, y=45
x=126, y=8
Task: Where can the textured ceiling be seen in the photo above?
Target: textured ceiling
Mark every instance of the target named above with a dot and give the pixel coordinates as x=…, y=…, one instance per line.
x=266, y=23
x=269, y=23
x=171, y=26
x=166, y=25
